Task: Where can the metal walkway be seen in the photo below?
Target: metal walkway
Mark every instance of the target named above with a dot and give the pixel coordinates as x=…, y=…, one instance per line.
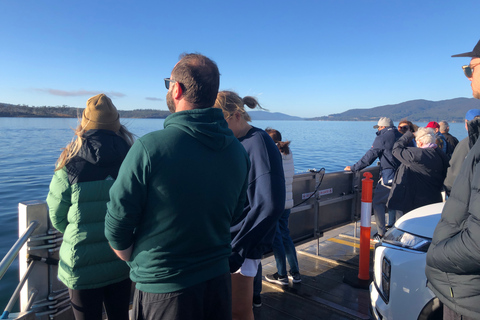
x=323, y=202
x=322, y=294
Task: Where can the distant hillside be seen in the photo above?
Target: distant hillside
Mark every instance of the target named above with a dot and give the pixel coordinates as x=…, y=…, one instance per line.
x=265, y=115
x=10, y=110
x=452, y=110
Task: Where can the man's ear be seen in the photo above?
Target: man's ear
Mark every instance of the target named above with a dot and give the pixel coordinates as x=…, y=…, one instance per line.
x=177, y=91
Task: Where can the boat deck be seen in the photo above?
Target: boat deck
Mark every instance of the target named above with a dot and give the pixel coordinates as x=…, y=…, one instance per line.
x=323, y=293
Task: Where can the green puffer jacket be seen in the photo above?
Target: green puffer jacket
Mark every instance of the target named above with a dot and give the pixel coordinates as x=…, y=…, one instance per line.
x=77, y=206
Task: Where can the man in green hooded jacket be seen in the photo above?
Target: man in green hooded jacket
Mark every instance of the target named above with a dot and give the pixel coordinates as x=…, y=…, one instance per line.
x=176, y=194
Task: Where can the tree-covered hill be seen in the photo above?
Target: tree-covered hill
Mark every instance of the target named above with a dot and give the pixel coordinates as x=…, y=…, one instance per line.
x=10, y=110
x=452, y=110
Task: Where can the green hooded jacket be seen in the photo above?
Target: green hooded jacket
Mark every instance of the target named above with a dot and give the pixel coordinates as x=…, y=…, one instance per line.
x=177, y=192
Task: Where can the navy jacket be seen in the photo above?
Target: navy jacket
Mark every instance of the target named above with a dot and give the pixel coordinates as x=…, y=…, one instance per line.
x=253, y=232
x=382, y=149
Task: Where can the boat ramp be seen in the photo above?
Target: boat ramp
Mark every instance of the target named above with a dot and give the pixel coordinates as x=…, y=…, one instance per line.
x=323, y=292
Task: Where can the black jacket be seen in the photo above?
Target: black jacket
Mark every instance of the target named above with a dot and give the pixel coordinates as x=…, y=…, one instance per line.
x=458, y=156
x=453, y=259
x=100, y=156
x=381, y=149
x=419, y=178
x=451, y=143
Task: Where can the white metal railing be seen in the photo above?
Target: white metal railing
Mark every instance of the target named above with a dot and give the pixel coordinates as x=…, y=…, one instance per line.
x=41, y=295
x=9, y=258
x=13, y=252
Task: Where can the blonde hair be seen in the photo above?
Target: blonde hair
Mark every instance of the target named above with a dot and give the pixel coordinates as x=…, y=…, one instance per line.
x=72, y=149
x=425, y=135
x=230, y=102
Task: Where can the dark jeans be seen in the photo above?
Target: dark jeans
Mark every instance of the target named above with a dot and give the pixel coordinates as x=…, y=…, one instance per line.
x=283, y=247
x=379, y=203
x=211, y=299
x=87, y=304
x=257, y=281
x=449, y=314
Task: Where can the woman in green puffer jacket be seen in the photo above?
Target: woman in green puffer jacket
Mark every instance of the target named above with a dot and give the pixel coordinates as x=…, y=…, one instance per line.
x=77, y=200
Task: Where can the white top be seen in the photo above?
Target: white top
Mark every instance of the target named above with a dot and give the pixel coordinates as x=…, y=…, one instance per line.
x=289, y=171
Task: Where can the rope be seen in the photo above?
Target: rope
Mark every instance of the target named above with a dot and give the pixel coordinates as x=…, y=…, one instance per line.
x=322, y=171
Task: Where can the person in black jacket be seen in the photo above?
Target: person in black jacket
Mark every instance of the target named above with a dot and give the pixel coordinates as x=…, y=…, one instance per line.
x=419, y=179
x=461, y=150
x=387, y=135
x=451, y=140
x=453, y=258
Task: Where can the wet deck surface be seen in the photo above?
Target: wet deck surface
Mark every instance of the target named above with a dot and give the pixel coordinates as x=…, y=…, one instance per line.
x=323, y=293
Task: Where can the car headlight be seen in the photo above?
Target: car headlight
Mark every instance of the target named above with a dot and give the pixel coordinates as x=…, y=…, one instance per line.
x=407, y=240
x=386, y=273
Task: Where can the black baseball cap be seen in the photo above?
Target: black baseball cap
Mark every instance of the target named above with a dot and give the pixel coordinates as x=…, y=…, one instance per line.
x=474, y=53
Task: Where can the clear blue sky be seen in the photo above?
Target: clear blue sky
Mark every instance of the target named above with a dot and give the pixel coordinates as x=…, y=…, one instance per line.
x=303, y=58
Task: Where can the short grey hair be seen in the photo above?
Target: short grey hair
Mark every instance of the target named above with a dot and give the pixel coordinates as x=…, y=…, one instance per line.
x=443, y=125
x=425, y=135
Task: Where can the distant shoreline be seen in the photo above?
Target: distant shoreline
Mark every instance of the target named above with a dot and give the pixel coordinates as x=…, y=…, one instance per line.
x=452, y=110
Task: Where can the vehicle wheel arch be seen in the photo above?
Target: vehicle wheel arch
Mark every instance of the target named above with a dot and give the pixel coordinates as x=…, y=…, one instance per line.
x=433, y=310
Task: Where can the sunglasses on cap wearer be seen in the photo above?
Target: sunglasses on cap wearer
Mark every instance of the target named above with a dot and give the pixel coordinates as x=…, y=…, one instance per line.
x=167, y=82
x=468, y=70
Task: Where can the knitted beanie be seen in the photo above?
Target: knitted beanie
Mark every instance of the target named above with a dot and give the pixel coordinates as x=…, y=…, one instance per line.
x=100, y=113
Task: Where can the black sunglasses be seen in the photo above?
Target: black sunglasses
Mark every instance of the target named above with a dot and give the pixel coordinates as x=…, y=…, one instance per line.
x=167, y=82
x=468, y=70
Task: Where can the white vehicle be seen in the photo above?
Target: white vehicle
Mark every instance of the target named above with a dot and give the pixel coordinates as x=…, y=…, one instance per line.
x=399, y=288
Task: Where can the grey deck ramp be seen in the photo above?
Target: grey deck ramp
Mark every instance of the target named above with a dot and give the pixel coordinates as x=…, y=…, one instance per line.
x=322, y=294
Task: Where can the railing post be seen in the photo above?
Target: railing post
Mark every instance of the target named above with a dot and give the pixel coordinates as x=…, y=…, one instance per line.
x=362, y=281
x=39, y=278
x=365, y=227
x=317, y=212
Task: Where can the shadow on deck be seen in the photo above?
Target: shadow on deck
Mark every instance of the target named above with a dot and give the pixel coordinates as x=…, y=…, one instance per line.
x=322, y=294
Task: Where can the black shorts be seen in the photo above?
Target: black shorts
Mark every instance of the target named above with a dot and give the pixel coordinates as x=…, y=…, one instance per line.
x=211, y=299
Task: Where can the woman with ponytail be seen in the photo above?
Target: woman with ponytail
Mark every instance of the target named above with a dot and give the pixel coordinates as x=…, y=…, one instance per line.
x=253, y=232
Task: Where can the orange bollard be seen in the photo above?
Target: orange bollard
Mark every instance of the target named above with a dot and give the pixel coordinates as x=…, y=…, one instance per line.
x=365, y=227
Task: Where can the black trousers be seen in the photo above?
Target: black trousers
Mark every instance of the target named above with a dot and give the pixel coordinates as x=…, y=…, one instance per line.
x=210, y=300
x=87, y=304
x=449, y=314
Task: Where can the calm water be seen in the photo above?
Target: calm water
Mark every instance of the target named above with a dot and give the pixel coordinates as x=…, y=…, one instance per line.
x=29, y=148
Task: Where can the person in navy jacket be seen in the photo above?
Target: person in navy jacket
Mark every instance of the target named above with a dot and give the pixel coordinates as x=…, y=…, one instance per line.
x=382, y=146
x=253, y=232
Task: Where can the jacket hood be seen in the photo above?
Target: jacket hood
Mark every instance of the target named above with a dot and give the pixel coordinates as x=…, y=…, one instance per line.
x=102, y=147
x=208, y=126
x=384, y=131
